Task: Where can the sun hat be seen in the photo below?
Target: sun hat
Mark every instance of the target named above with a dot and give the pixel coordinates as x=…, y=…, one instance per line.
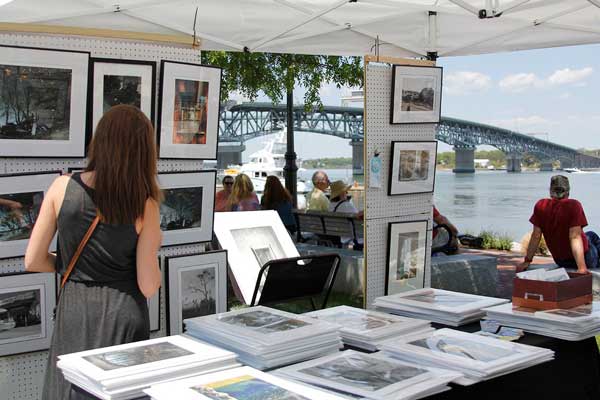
x=339, y=187
x=559, y=186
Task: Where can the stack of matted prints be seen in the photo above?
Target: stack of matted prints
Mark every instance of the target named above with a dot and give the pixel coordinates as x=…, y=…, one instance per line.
x=267, y=338
x=124, y=371
x=573, y=324
x=244, y=383
x=437, y=305
x=477, y=357
x=366, y=329
x=373, y=376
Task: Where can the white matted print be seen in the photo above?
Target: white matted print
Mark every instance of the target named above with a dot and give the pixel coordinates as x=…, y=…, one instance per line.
x=44, y=96
x=26, y=305
x=251, y=237
x=118, y=81
x=189, y=110
x=187, y=209
x=407, y=244
x=412, y=167
x=416, y=94
x=196, y=286
x=21, y=197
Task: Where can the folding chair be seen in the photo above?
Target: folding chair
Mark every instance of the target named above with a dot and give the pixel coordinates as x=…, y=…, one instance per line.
x=296, y=278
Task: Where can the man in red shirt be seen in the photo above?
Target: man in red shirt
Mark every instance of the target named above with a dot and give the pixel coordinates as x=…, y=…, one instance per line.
x=561, y=220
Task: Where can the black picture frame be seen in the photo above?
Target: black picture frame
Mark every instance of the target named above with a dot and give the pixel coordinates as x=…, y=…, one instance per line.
x=436, y=114
x=393, y=172
x=211, y=151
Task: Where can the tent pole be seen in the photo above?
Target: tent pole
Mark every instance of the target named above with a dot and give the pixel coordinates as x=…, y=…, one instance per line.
x=290, y=170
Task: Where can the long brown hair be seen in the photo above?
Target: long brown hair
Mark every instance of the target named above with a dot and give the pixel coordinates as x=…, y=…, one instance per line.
x=123, y=158
x=274, y=193
x=242, y=189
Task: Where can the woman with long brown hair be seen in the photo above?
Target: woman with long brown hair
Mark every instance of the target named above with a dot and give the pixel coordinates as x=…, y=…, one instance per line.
x=116, y=199
x=242, y=197
x=276, y=197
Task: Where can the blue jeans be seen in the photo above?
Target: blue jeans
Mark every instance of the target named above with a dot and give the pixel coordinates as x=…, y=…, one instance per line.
x=591, y=256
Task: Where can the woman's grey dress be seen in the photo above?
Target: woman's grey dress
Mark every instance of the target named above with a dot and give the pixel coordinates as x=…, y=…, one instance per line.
x=101, y=304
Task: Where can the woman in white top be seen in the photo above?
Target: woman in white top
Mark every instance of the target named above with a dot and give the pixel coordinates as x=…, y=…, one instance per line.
x=339, y=201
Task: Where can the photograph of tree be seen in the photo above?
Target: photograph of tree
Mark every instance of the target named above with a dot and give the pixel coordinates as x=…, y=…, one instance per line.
x=18, y=212
x=190, y=112
x=120, y=89
x=20, y=315
x=198, y=287
x=181, y=208
x=35, y=102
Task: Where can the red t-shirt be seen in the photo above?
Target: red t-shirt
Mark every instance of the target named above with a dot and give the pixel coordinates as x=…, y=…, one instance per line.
x=436, y=213
x=555, y=217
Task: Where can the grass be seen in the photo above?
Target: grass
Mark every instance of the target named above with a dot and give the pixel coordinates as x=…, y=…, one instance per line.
x=493, y=240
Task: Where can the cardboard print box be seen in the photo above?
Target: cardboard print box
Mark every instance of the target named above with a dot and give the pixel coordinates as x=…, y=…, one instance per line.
x=551, y=295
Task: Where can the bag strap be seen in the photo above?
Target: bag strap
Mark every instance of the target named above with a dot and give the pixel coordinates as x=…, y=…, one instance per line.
x=75, y=257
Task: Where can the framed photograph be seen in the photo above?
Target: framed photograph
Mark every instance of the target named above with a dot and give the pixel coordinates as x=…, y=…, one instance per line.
x=412, y=167
x=43, y=97
x=115, y=81
x=21, y=197
x=416, y=94
x=406, y=250
x=252, y=238
x=237, y=383
x=26, y=305
x=187, y=210
x=196, y=286
x=189, y=100
x=154, y=307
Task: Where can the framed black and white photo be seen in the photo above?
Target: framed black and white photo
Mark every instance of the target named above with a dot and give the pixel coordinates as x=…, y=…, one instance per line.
x=154, y=307
x=406, y=250
x=26, y=305
x=115, y=81
x=412, y=167
x=188, y=120
x=196, y=286
x=187, y=210
x=416, y=94
x=43, y=97
x=21, y=197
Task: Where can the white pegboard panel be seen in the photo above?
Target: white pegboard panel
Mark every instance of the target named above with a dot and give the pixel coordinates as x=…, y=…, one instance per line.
x=380, y=134
x=376, y=255
x=21, y=376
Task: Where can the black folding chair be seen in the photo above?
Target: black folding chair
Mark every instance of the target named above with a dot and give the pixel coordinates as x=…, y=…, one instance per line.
x=442, y=242
x=296, y=278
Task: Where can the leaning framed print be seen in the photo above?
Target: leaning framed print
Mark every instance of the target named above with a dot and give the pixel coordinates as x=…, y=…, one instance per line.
x=27, y=302
x=21, y=197
x=116, y=81
x=196, y=285
x=188, y=120
x=43, y=98
x=187, y=210
x=416, y=94
x=406, y=250
x=412, y=167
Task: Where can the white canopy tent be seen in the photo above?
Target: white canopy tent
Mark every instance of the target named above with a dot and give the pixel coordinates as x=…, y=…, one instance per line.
x=406, y=28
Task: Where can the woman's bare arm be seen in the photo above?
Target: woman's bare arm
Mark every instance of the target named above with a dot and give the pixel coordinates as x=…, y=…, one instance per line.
x=149, y=240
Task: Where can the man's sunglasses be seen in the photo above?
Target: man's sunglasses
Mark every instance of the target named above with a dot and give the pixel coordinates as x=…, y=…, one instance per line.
x=228, y=183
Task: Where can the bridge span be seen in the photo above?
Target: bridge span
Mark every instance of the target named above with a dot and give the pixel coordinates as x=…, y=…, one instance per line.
x=249, y=120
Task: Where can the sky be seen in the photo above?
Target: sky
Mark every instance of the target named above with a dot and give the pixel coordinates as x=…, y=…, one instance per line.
x=552, y=93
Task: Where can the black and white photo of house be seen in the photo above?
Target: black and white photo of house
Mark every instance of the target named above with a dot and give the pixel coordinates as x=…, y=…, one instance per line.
x=35, y=102
x=20, y=315
x=414, y=165
x=418, y=93
x=408, y=255
x=258, y=243
x=181, y=208
x=18, y=213
x=122, y=89
x=198, y=288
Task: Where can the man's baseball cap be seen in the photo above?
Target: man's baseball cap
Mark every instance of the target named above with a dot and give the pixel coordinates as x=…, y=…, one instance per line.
x=559, y=186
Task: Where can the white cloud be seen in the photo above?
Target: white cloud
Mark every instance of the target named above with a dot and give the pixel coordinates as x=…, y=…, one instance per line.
x=465, y=82
x=567, y=76
x=565, y=96
x=520, y=82
x=523, y=124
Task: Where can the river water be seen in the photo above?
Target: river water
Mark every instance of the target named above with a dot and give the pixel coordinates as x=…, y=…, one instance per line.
x=498, y=201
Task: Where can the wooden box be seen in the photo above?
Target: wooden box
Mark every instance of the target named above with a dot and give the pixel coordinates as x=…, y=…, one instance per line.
x=551, y=295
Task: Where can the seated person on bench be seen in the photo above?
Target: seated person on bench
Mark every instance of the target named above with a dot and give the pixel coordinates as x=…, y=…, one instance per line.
x=440, y=220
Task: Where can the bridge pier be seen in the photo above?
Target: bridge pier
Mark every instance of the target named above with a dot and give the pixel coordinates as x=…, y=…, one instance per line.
x=465, y=160
x=546, y=166
x=564, y=163
x=513, y=162
x=358, y=157
x=229, y=153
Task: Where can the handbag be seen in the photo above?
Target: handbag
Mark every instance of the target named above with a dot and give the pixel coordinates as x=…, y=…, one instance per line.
x=75, y=257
